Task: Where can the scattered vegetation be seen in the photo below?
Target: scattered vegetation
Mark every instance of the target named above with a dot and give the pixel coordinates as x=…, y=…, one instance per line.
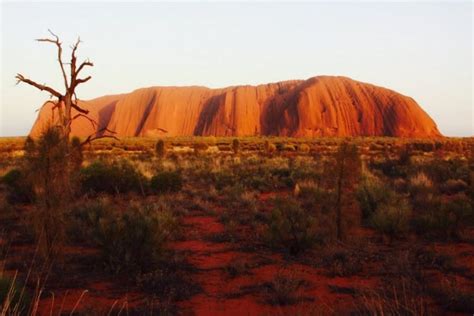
x=113, y=178
x=319, y=204
x=166, y=181
x=19, y=189
x=284, y=289
x=291, y=227
x=160, y=149
x=392, y=218
x=134, y=241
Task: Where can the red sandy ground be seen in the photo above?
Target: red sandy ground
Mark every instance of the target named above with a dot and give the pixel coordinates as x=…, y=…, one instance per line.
x=222, y=294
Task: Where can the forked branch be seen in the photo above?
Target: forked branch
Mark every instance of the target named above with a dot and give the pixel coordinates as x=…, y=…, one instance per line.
x=95, y=136
x=21, y=78
x=56, y=42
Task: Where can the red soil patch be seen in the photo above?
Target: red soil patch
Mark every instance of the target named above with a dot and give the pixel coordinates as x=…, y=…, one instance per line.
x=246, y=293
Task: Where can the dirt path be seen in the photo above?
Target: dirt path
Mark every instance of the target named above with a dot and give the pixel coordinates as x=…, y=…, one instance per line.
x=212, y=259
x=245, y=292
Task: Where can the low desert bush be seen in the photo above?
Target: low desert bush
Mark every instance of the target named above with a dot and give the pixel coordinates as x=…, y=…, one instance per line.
x=200, y=147
x=84, y=220
x=269, y=148
x=237, y=268
x=288, y=147
x=454, y=186
x=342, y=263
x=19, y=189
x=170, y=280
x=284, y=289
x=422, y=190
x=392, y=219
x=292, y=227
x=113, y=178
x=445, y=219
x=442, y=170
x=166, y=181
x=452, y=297
x=134, y=241
x=160, y=149
x=389, y=167
x=235, y=146
x=420, y=183
x=372, y=193
x=169, y=284
x=304, y=148
x=404, y=155
x=223, y=178
x=282, y=177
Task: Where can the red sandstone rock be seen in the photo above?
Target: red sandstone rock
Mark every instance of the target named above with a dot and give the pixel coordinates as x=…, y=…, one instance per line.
x=319, y=106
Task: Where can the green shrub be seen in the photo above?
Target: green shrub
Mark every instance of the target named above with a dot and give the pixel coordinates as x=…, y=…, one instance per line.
x=445, y=220
x=284, y=176
x=223, y=178
x=166, y=181
x=279, y=146
x=169, y=283
x=85, y=221
x=290, y=226
x=113, y=178
x=200, y=147
x=371, y=194
x=270, y=148
x=236, y=146
x=452, y=297
x=160, y=149
x=392, y=218
x=343, y=263
x=389, y=167
x=289, y=147
x=284, y=290
x=420, y=183
x=304, y=148
x=19, y=189
x=442, y=170
x=134, y=241
x=421, y=189
x=454, y=186
x=51, y=164
x=404, y=155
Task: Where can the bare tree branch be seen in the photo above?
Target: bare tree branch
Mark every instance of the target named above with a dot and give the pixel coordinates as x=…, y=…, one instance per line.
x=21, y=78
x=84, y=64
x=44, y=104
x=74, y=60
x=79, y=81
x=79, y=109
x=60, y=52
x=68, y=100
x=93, y=122
x=91, y=137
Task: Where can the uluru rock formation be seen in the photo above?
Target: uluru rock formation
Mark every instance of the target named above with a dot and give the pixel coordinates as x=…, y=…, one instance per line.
x=319, y=106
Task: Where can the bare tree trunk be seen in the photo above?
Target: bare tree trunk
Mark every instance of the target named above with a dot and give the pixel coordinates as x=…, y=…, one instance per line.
x=339, y=200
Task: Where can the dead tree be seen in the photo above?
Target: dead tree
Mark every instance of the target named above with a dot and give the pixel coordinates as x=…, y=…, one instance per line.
x=52, y=160
x=67, y=101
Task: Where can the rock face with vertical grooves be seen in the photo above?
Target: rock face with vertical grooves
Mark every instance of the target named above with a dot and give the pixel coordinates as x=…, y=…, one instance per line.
x=319, y=106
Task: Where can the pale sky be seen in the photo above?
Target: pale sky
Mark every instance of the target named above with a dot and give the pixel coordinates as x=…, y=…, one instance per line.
x=423, y=50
